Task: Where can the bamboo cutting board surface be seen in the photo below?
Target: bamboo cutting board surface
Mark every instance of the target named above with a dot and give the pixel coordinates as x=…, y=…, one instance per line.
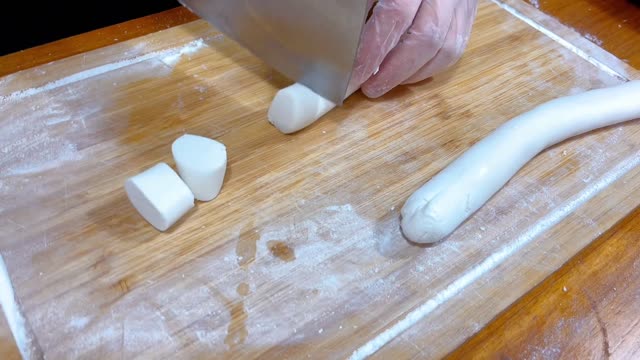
x=300, y=255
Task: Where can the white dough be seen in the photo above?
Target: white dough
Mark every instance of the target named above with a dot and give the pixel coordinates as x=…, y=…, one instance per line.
x=436, y=209
x=296, y=107
x=159, y=195
x=202, y=163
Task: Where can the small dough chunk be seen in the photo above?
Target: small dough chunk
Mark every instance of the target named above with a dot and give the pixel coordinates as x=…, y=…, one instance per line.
x=159, y=195
x=202, y=163
x=296, y=107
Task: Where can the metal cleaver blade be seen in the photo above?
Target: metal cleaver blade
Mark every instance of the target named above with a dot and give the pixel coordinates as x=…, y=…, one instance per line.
x=313, y=42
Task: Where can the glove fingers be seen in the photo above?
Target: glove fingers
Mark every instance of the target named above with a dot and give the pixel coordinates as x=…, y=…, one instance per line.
x=454, y=44
x=416, y=47
x=381, y=33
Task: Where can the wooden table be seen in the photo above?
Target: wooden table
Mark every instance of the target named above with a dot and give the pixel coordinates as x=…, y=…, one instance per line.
x=588, y=308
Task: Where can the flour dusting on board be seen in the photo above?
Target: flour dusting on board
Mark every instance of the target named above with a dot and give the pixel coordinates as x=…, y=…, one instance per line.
x=169, y=55
x=44, y=134
x=203, y=303
x=191, y=48
x=615, y=71
x=584, y=69
x=29, y=144
x=335, y=231
x=551, y=344
x=593, y=39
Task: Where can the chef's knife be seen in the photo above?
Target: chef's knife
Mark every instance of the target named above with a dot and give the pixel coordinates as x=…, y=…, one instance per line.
x=313, y=42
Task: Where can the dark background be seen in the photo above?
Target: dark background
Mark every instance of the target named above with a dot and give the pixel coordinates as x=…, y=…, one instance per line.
x=25, y=24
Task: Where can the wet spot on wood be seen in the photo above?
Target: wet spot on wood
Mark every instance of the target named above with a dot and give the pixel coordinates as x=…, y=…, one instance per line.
x=123, y=285
x=246, y=248
x=243, y=289
x=281, y=250
x=237, y=330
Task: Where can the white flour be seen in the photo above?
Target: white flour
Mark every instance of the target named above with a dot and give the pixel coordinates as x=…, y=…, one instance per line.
x=170, y=56
x=566, y=44
x=39, y=135
x=28, y=144
x=593, y=39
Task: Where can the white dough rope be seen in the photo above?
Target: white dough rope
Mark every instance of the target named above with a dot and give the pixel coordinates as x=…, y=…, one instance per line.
x=436, y=209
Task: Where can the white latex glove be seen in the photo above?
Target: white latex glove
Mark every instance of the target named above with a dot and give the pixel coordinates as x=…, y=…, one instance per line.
x=409, y=41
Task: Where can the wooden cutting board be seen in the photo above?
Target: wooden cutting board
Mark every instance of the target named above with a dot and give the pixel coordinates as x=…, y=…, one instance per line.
x=300, y=255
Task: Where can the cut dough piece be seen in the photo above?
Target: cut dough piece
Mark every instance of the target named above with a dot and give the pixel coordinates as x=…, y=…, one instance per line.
x=159, y=195
x=202, y=163
x=296, y=107
x=436, y=209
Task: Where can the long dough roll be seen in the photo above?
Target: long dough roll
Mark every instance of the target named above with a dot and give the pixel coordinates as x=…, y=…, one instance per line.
x=436, y=209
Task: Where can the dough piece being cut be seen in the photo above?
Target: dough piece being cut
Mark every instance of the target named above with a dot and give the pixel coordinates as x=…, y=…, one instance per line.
x=436, y=209
x=296, y=107
x=202, y=163
x=159, y=195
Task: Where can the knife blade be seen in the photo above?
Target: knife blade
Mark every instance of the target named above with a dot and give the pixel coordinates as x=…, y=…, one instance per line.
x=311, y=42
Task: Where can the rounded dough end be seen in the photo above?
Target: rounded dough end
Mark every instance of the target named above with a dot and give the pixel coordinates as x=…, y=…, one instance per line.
x=429, y=217
x=202, y=164
x=424, y=226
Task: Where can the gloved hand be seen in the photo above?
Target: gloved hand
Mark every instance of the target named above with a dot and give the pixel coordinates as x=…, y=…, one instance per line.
x=409, y=41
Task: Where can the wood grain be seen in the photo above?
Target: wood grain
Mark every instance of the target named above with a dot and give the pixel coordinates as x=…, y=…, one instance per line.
x=611, y=24
x=570, y=39
x=116, y=287
x=586, y=310
x=8, y=348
